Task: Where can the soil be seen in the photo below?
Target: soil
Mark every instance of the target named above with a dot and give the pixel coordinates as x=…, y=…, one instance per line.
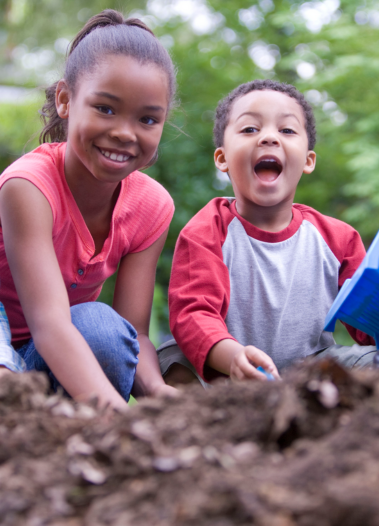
x=304, y=451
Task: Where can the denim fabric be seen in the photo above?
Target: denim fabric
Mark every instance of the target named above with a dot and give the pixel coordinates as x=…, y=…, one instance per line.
x=112, y=339
x=8, y=356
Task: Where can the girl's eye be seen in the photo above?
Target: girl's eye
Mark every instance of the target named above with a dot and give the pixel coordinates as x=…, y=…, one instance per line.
x=105, y=109
x=148, y=120
x=287, y=131
x=250, y=129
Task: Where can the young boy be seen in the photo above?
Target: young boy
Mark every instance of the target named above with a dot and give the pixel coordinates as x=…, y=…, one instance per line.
x=254, y=276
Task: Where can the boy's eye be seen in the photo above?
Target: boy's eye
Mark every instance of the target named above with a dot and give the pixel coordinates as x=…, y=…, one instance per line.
x=287, y=131
x=148, y=120
x=105, y=109
x=250, y=129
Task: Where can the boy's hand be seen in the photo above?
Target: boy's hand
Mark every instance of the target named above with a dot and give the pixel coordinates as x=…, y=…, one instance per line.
x=245, y=362
x=239, y=362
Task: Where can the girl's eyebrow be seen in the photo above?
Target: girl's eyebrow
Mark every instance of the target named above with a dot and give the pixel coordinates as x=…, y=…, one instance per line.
x=117, y=99
x=154, y=108
x=108, y=95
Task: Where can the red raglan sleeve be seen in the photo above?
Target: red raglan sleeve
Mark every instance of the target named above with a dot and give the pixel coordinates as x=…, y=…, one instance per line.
x=199, y=289
x=355, y=253
x=346, y=244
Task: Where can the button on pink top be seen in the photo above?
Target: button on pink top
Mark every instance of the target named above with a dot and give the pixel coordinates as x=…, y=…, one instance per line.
x=142, y=213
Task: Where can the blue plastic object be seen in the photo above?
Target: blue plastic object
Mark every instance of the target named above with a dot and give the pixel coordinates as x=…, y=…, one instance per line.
x=269, y=376
x=357, y=303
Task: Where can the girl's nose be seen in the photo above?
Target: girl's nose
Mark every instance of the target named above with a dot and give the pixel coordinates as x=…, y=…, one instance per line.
x=124, y=132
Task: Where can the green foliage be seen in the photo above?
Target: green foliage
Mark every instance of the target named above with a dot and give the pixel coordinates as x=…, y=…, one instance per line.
x=341, y=336
x=341, y=51
x=19, y=130
x=132, y=401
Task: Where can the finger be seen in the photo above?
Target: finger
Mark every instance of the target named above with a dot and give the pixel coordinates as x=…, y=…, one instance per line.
x=258, y=357
x=246, y=371
x=237, y=375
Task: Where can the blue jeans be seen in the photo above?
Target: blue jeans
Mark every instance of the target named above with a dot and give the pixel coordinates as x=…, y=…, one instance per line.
x=112, y=339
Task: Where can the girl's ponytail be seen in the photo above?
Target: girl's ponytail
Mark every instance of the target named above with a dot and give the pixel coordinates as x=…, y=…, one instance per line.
x=105, y=33
x=55, y=128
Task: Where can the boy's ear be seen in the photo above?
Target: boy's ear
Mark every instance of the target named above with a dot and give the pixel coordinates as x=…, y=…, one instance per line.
x=220, y=161
x=62, y=99
x=310, y=162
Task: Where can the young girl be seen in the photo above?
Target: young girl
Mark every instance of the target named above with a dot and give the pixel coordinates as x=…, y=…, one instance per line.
x=76, y=209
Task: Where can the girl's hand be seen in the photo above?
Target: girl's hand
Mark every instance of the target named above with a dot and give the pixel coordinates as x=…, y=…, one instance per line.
x=4, y=370
x=133, y=299
x=245, y=362
x=166, y=390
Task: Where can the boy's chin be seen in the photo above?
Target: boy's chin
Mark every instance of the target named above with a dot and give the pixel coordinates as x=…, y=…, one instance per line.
x=272, y=203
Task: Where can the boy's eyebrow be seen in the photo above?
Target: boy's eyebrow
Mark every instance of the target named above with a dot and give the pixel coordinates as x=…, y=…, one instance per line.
x=117, y=99
x=291, y=115
x=256, y=114
x=252, y=113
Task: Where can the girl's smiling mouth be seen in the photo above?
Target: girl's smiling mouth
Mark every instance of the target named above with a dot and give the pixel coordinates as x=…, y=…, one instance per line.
x=113, y=156
x=268, y=169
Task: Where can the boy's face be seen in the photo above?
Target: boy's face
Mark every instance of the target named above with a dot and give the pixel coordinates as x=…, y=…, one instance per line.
x=265, y=152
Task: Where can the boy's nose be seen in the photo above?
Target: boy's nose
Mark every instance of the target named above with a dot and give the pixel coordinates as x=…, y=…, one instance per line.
x=269, y=139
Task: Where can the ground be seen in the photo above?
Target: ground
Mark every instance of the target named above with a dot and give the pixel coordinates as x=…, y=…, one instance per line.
x=304, y=451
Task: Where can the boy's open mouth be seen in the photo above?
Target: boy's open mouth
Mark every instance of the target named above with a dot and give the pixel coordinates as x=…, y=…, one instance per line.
x=268, y=169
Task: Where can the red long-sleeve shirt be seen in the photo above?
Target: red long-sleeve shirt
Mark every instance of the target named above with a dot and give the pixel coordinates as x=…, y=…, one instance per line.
x=272, y=290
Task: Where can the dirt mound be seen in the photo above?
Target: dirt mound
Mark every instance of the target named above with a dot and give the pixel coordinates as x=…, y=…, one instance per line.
x=304, y=451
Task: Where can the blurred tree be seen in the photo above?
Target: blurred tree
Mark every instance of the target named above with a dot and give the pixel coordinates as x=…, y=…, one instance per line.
x=327, y=48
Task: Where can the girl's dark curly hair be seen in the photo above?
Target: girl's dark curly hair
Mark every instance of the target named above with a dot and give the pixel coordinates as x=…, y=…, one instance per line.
x=225, y=105
x=106, y=33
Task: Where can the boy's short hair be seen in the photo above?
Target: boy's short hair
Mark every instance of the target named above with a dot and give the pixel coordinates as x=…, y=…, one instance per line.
x=225, y=105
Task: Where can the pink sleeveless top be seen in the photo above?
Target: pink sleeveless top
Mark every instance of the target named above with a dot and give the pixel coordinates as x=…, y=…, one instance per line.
x=143, y=211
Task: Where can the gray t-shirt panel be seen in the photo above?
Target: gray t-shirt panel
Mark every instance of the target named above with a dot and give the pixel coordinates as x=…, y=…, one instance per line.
x=280, y=292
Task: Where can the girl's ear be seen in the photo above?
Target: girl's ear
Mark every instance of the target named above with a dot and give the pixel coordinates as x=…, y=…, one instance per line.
x=62, y=99
x=310, y=162
x=220, y=161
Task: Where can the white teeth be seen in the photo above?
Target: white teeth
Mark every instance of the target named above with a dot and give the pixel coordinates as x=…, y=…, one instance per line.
x=114, y=156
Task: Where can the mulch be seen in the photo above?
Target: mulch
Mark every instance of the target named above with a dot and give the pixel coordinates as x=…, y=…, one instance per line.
x=304, y=451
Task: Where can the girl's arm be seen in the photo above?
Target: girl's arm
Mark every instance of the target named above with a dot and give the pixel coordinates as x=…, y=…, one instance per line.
x=27, y=223
x=133, y=300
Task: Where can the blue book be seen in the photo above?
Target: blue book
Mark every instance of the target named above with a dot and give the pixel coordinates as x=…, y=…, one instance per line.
x=357, y=303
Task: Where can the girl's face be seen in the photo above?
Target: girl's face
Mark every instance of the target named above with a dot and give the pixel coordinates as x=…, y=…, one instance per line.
x=115, y=118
